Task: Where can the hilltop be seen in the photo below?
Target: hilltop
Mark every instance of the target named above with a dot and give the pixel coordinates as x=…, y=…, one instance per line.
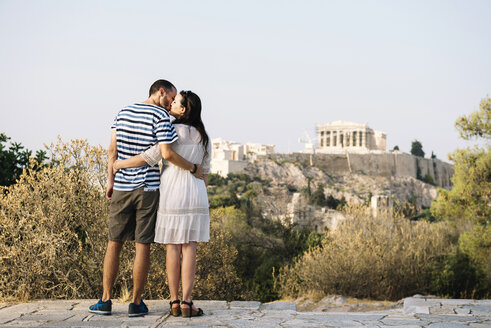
x=344, y=178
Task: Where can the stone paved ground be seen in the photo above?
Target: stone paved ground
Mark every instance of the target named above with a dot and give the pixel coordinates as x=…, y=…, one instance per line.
x=417, y=312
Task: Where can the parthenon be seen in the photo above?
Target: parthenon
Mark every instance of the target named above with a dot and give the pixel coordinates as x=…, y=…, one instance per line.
x=348, y=136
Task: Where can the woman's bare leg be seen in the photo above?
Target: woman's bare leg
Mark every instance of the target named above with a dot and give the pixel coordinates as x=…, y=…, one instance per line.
x=188, y=270
x=173, y=266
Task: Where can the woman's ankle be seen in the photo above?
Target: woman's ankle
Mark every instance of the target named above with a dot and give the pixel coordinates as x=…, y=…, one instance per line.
x=175, y=302
x=186, y=300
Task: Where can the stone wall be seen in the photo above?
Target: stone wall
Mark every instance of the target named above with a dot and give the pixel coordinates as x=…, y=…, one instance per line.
x=224, y=167
x=374, y=164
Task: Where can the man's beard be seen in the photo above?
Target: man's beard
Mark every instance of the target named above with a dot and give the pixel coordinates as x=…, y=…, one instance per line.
x=166, y=104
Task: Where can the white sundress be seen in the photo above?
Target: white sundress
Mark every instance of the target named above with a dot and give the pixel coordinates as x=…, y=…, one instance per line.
x=183, y=214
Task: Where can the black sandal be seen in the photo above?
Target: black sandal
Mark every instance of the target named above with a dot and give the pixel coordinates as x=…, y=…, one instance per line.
x=175, y=311
x=189, y=312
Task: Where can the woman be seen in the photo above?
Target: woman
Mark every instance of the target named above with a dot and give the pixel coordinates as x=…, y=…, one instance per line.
x=183, y=216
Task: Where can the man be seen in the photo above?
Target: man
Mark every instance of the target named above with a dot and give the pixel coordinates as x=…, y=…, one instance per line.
x=134, y=193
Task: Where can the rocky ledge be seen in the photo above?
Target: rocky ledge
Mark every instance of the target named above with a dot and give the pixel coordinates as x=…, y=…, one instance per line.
x=414, y=312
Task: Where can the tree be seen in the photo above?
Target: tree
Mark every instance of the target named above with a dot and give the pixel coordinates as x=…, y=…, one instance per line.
x=332, y=202
x=417, y=149
x=318, y=197
x=471, y=192
x=477, y=124
x=470, y=196
x=216, y=180
x=396, y=147
x=14, y=159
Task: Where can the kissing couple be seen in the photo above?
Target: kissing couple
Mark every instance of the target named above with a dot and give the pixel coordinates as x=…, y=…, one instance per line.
x=146, y=206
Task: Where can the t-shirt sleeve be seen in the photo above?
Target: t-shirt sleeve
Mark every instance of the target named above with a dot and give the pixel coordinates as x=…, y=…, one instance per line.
x=152, y=155
x=205, y=164
x=165, y=132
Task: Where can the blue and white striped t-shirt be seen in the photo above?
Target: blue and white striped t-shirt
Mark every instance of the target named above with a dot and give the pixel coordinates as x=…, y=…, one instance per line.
x=138, y=127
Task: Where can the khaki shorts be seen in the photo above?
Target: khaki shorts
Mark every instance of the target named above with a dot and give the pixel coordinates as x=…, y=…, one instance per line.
x=132, y=215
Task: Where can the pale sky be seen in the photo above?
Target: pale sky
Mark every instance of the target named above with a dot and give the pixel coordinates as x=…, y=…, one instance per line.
x=266, y=71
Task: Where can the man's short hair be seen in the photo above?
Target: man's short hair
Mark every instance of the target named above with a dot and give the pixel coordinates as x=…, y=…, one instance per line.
x=166, y=85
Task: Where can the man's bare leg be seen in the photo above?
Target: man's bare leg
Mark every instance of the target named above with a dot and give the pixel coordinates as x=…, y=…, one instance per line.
x=140, y=270
x=111, y=267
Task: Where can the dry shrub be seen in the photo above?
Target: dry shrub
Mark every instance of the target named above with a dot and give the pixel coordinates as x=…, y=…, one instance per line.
x=366, y=257
x=53, y=236
x=215, y=273
x=215, y=278
x=91, y=161
x=52, y=228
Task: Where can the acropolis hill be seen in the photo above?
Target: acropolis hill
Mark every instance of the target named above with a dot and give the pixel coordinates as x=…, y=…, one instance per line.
x=342, y=148
x=396, y=164
x=350, y=163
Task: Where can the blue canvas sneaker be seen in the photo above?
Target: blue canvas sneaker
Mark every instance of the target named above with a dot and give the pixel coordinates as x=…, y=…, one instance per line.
x=101, y=307
x=137, y=310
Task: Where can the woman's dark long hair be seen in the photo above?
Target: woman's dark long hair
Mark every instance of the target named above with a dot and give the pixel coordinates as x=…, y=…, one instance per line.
x=192, y=116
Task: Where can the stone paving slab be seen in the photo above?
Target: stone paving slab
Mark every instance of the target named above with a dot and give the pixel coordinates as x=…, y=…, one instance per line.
x=447, y=325
x=279, y=306
x=486, y=324
x=245, y=305
x=433, y=313
x=447, y=307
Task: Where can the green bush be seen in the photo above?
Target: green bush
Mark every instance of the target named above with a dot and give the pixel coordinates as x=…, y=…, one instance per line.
x=458, y=277
x=263, y=247
x=318, y=197
x=216, y=180
x=429, y=179
x=223, y=201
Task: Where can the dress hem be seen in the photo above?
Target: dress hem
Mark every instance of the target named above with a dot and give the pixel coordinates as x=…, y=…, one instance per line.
x=180, y=243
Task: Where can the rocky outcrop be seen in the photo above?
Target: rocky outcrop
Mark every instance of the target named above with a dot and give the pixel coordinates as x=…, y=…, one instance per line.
x=392, y=176
x=396, y=164
x=355, y=187
x=339, y=303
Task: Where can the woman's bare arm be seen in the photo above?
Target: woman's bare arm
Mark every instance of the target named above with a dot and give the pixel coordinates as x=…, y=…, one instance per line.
x=170, y=155
x=151, y=157
x=134, y=161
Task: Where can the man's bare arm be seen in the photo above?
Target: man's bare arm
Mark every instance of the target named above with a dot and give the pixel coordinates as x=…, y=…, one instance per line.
x=112, y=155
x=170, y=155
